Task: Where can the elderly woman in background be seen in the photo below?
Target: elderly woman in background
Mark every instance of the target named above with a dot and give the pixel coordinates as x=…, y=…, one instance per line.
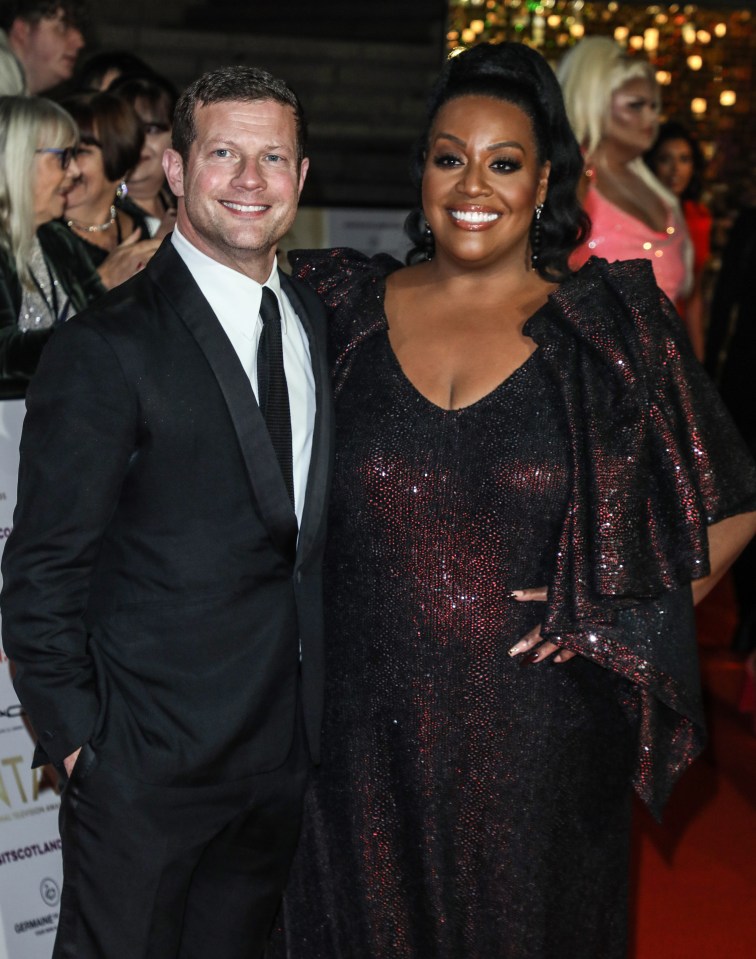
x=105, y=223
x=613, y=104
x=154, y=100
x=45, y=276
x=676, y=159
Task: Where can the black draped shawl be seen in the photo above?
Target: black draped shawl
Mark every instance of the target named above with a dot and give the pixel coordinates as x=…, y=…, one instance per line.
x=20, y=350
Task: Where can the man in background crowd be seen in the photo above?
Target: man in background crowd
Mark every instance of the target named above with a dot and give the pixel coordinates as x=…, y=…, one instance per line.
x=39, y=43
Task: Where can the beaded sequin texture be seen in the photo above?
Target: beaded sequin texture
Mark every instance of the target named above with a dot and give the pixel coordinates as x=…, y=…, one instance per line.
x=37, y=305
x=467, y=807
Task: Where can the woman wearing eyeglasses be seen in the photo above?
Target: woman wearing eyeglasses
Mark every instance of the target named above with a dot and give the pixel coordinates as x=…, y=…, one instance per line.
x=45, y=277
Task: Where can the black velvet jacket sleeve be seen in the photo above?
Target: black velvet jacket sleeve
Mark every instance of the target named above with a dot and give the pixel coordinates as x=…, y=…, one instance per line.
x=20, y=350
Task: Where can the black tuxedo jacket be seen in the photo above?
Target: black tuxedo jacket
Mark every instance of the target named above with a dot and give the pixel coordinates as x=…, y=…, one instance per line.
x=155, y=594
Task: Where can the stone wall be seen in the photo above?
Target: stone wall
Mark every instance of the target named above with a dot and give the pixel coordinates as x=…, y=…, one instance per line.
x=364, y=97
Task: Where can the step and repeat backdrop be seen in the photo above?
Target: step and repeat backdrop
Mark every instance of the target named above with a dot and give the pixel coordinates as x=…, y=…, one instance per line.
x=31, y=873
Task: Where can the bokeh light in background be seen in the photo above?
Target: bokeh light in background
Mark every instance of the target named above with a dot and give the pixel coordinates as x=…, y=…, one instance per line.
x=676, y=37
x=703, y=54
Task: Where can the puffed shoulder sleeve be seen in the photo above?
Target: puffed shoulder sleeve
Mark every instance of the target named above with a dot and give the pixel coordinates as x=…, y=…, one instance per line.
x=656, y=460
x=352, y=288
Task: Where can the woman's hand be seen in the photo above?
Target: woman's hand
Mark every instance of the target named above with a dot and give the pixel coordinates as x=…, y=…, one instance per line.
x=127, y=259
x=532, y=643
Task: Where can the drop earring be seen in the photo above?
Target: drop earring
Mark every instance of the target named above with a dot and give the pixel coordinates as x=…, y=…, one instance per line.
x=122, y=190
x=535, y=237
x=428, y=240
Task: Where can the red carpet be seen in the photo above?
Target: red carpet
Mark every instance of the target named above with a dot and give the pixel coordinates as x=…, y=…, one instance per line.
x=695, y=875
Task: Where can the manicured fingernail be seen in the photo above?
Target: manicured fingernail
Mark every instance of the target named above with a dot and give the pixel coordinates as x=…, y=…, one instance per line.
x=530, y=658
x=514, y=650
x=516, y=594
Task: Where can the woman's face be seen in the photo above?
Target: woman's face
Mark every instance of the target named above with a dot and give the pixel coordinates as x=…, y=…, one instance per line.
x=633, y=118
x=673, y=165
x=51, y=184
x=91, y=188
x=482, y=181
x=147, y=178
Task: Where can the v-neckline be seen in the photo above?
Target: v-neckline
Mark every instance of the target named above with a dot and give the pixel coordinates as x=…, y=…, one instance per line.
x=501, y=385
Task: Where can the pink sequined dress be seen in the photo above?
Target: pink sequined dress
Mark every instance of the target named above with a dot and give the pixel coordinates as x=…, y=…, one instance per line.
x=466, y=807
x=616, y=235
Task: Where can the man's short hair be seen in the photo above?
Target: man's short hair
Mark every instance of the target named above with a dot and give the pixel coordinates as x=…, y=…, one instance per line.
x=228, y=84
x=75, y=12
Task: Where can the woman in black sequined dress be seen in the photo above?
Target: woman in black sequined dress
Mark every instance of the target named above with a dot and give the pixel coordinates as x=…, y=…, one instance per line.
x=504, y=427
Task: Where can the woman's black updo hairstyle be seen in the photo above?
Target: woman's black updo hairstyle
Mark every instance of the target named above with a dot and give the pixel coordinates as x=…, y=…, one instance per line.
x=516, y=74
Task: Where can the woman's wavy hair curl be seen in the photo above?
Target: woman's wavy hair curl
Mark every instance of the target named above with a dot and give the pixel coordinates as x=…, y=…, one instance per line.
x=516, y=74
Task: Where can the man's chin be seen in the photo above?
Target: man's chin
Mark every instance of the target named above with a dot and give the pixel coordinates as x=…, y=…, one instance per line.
x=54, y=81
x=66, y=71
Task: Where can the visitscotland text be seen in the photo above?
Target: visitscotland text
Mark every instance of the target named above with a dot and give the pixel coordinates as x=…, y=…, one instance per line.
x=29, y=852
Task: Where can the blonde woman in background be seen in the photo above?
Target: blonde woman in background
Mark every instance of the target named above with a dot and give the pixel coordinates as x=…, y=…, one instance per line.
x=44, y=277
x=613, y=104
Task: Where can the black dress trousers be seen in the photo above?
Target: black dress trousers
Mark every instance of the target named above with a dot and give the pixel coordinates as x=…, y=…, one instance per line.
x=190, y=872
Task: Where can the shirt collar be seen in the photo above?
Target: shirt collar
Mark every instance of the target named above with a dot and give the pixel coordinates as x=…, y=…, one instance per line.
x=223, y=287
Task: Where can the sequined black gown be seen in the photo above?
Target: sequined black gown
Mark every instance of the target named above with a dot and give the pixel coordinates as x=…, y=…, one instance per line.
x=466, y=807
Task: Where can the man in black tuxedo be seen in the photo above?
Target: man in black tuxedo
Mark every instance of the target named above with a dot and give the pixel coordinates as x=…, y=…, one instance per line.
x=162, y=596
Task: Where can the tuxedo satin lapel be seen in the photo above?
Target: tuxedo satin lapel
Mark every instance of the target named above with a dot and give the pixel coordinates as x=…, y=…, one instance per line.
x=310, y=311
x=171, y=275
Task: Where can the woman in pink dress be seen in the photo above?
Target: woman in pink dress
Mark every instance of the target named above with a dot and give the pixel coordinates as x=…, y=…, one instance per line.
x=613, y=104
x=676, y=159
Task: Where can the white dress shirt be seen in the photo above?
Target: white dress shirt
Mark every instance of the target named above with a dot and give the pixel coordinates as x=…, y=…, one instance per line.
x=235, y=300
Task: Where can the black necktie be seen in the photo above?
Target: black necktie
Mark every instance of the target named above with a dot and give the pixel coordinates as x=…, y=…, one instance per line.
x=273, y=394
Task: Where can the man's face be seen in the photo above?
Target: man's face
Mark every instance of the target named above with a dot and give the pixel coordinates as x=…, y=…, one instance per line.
x=239, y=189
x=47, y=49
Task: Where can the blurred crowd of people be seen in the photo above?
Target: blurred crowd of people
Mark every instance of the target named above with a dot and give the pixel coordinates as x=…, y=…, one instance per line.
x=84, y=202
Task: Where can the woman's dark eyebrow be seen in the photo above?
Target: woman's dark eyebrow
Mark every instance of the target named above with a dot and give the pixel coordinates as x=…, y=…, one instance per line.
x=491, y=146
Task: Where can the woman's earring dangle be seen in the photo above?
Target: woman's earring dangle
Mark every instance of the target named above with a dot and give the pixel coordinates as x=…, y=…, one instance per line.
x=535, y=237
x=428, y=239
